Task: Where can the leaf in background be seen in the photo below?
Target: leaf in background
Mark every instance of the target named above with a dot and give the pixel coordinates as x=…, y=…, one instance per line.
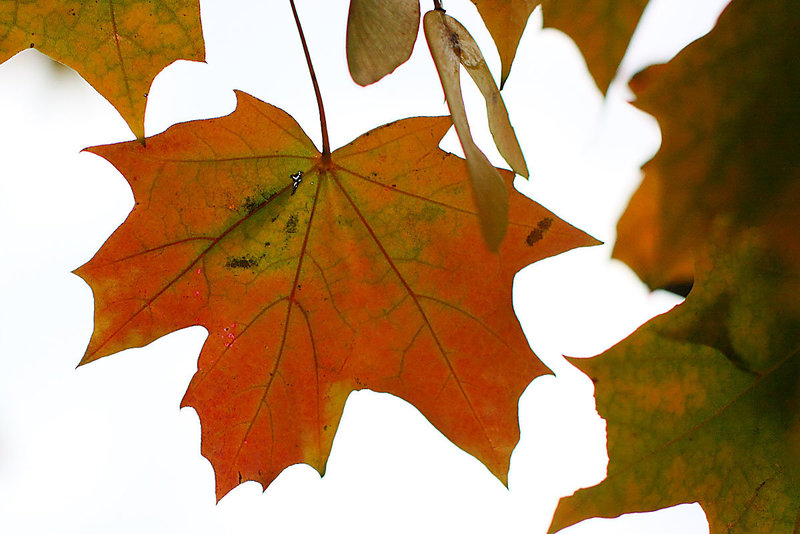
x=729, y=111
x=451, y=46
x=117, y=46
x=366, y=271
x=602, y=29
x=380, y=37
x=506, y=20
x=703, y=403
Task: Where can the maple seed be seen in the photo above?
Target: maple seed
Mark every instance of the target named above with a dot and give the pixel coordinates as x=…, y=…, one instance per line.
x=297, y=178
x=454, y=40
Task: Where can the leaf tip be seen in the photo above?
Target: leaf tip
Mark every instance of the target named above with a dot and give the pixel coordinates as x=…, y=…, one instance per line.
x=503, y=478
x=241, y=97
x=88, y=357
x=579, y=363
x=642, y=80
x=97, y=150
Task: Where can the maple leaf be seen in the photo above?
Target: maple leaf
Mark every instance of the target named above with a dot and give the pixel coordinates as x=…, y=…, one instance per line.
x=602, y=29
x=702, y=403
x=316, y=276
x=729, y=131
x=117, y=46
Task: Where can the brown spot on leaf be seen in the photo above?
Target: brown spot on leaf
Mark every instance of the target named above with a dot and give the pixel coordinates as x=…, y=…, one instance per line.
x=291, y=224
x=242, y=262
x=537, y=233
x=252, y=204
x=534, y=237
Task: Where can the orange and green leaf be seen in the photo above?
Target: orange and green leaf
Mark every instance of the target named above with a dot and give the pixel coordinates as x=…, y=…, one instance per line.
x=703, y=403
x=365, y=271
x=117, y=46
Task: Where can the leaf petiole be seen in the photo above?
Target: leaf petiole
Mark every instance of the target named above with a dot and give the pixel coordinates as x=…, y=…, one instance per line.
x=326, y=147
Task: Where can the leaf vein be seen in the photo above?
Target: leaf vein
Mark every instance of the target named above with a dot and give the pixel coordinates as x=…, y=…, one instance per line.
x=421, y=311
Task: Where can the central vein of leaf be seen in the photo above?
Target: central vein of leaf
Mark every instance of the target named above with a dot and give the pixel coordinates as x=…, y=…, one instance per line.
x=291, y=303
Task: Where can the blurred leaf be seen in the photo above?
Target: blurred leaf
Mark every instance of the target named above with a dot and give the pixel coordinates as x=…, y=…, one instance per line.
x=316, y=276
x=703, y=404
x=117, y=46
x=602, y=29
x=729, y=111
x=506, y=20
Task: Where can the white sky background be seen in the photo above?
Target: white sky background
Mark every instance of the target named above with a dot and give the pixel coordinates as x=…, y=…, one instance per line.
x=104, y=448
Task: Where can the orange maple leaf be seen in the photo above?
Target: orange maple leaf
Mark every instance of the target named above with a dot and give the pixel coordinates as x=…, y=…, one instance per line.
x=316, y=276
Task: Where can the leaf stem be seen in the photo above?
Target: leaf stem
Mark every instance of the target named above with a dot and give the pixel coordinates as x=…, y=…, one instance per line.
x=437, y=5
x=326, y=146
